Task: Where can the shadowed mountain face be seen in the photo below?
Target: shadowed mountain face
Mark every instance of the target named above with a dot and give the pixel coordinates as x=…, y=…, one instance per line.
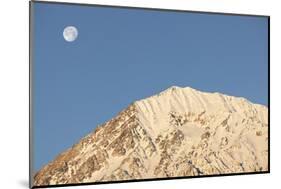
x=179, y=132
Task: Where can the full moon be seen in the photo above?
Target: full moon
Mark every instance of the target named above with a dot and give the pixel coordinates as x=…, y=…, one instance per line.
x=70, y=33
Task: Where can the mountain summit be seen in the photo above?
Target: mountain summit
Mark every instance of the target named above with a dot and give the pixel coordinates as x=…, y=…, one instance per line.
x=178, y=132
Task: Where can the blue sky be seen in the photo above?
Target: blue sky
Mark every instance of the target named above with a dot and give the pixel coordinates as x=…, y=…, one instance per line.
x=122, y=55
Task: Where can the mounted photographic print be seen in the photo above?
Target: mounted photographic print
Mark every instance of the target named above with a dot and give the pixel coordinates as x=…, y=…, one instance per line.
x=121, y=94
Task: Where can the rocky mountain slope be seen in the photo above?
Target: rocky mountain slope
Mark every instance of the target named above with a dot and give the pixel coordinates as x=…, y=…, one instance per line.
x=179, y=132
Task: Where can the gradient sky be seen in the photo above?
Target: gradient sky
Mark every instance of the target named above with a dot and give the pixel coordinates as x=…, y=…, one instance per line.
x=122, y=55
